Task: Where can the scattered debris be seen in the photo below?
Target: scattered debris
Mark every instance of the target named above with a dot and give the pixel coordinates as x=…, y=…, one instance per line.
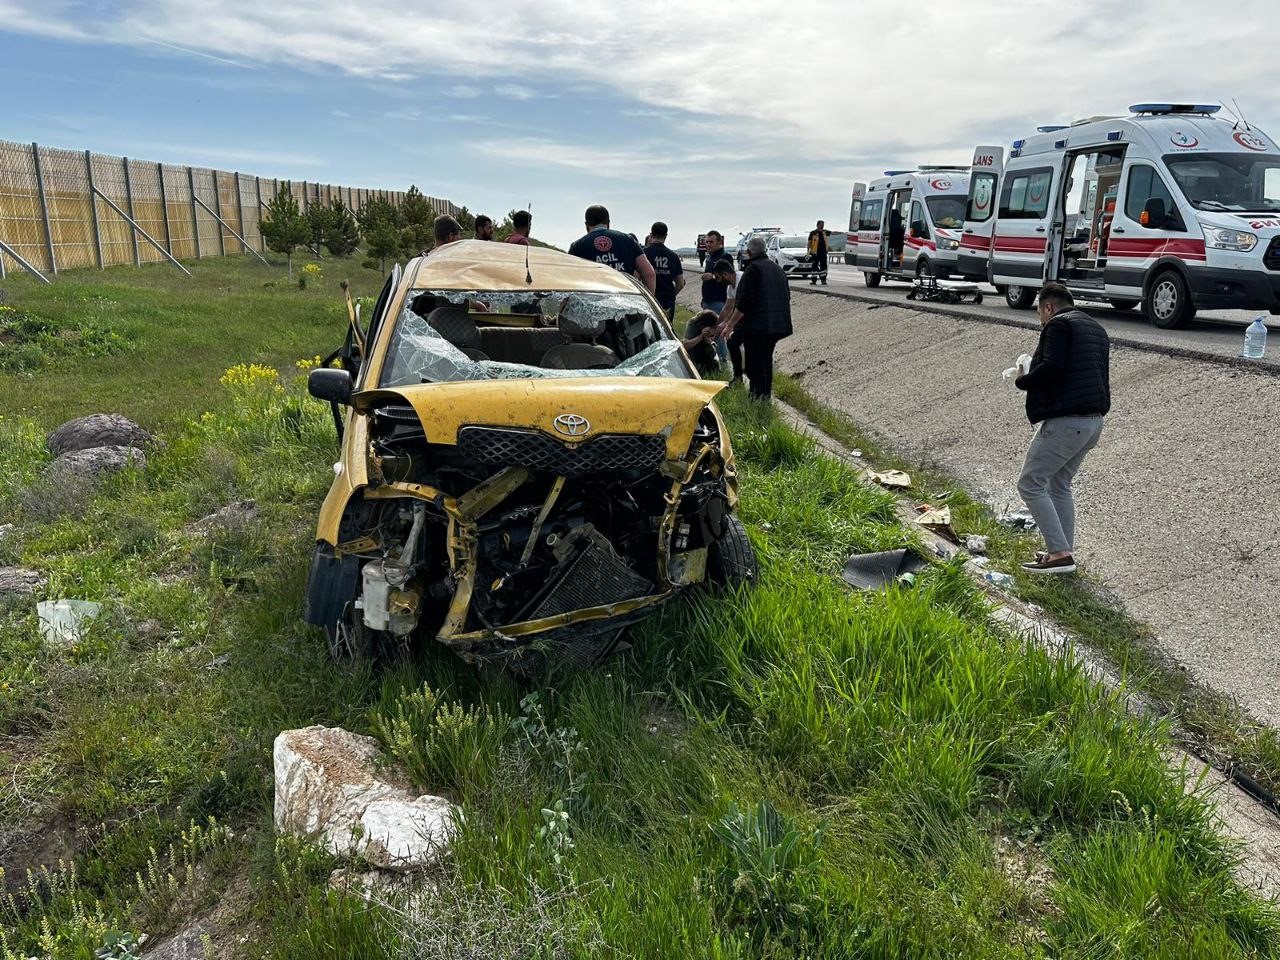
x=855, y=454
x=218, y=662
x=234, y=516
x=20, y=581
x=94, y=463
x=1018, y=519
x=871, y=571
x=894, y=479
x=996, y=578
x=98, y=430
x=330, y=788
x=937, y=520
x=976, y=544
x=63, y=621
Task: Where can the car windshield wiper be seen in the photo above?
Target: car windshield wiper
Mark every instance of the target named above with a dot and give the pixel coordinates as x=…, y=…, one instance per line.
x=1215, y=205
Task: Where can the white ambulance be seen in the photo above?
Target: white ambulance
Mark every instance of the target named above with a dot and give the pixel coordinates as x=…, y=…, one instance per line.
x=909, y=224
x=1172, y=206
x=855, y=214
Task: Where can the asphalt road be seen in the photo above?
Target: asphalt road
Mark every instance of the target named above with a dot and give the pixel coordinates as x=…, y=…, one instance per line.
x=1218, y=333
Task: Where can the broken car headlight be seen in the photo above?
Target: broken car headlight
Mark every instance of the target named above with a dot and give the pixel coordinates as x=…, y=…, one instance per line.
x=1220, y=238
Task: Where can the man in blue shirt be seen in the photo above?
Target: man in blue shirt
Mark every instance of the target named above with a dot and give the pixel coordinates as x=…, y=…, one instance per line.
x=667, y=268
x=715, y=293
x=612, y=248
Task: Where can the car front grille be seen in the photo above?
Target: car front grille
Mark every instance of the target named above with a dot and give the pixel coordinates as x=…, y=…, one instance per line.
x=538, y=451
x=1271, y=259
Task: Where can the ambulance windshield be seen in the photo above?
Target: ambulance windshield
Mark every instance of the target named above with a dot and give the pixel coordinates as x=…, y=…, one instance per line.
x=1234, y=182
x=947, y=212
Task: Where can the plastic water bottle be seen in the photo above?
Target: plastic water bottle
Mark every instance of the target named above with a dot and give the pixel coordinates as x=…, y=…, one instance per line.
x=1255, y=340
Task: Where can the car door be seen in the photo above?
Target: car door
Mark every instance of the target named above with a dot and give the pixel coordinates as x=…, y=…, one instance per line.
x=855, y=216
x=1146, y=226
x=870, y=233
x=974, y=256
x=918, y=239
x=1022, y=225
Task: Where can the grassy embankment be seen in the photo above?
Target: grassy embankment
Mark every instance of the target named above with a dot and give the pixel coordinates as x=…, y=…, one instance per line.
x=797, y=771
x=1206, y=721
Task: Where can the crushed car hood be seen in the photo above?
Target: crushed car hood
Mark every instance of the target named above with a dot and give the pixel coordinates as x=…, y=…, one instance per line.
x=607, y=405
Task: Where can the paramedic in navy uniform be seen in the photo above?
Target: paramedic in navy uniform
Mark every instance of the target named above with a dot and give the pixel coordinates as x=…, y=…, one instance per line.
x=613, y=248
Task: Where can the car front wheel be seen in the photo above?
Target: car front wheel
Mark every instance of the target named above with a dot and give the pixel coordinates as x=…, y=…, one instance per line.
x=731, y=560
x=1018, y=297
x=871, y=279
x=351, y=643
x=1168, y=304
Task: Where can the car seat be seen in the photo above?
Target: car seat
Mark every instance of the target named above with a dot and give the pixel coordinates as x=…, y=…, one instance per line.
x=581, y=325
x=452, y=323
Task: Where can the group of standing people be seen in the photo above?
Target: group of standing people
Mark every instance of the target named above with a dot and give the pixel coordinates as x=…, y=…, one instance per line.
x=744, y=313
x=447, y=229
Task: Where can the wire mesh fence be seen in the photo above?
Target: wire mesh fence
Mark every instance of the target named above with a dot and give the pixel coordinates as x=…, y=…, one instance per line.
x=62, y=209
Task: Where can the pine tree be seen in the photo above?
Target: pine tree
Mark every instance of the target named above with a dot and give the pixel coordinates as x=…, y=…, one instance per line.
x=417, y=232
x=283, y=226
x=380, y=224
x=342, y=233
x=318, y=218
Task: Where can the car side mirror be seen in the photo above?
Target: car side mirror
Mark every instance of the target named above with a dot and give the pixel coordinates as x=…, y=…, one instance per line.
x=330, y=384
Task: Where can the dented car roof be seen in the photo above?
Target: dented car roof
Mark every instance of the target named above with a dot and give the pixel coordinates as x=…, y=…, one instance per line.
x=487, y=265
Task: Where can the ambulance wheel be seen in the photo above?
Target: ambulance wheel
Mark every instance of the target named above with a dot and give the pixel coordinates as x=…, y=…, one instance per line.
x=1020, y=298
x=977, y=299
x=1124, y=304
x=871, y=279
x=924, y=268
x=1168, y=302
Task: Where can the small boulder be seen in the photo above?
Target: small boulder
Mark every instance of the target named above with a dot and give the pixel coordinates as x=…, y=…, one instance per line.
x=234, y=516
x=94, y=463
x=20, y=581
x=187, y=944
x=97, y=430
x=329, y=789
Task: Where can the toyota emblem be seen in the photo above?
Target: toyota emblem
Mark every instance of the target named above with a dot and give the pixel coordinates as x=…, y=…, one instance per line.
x=571, y=425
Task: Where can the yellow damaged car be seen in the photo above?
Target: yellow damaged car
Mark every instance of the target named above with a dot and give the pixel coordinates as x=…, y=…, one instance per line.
x=530, y=464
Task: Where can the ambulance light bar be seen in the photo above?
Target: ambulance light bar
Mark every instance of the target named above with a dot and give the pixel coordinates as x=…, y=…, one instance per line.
x=941, y=168
x=1051, y=128
x=897, y=173
x=1207, y=109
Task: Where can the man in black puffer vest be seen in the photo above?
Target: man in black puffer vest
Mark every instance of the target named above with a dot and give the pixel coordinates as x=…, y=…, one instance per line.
x=1068, y=386
x=760, y=316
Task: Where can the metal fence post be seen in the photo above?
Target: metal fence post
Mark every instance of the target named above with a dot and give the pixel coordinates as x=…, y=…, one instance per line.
x=128, y=197
x=164, y=205
x=217, y=213
x=93, y=207
x=44, y=208
x=257, y=189
x=235, y=177
x=305, y=198
x=195, y=223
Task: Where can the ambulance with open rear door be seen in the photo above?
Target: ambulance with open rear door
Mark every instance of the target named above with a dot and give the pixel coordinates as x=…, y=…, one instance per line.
x=1173, y=207
x=909, y=224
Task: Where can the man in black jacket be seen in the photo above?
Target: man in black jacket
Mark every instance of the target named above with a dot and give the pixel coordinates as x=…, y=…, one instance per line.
x=1068, y=386
x=761, y=313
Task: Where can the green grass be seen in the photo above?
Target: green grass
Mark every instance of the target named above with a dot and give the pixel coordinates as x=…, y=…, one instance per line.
x=155, y=342
x=796, y=770
x=1207, y=722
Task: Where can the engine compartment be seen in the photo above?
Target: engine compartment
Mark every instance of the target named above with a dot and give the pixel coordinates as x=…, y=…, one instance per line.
x=514, y=527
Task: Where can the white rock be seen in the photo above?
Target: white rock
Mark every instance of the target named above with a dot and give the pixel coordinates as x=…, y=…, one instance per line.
x=94, y=463
x=21, y=581
x=328, y=790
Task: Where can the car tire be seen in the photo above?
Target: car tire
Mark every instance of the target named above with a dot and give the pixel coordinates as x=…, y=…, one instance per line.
x=1019, y=297
x=1124, y=304
x=977, y=299
x=871, y=279
x=731, y=559
x=352, y=644
x=1168, y=303
x=924, y=268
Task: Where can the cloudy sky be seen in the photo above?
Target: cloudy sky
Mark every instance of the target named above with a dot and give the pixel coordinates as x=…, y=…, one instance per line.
x=703, y=115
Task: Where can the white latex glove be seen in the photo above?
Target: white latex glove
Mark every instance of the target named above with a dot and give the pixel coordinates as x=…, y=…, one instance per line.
x=1020, y=366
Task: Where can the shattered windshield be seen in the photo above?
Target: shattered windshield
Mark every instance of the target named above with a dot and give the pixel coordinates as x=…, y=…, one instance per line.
x=452, y=336
x=1235, y=182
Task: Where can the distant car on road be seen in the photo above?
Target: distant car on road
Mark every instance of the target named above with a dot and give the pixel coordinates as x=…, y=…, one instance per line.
x=790, y=251
x=741, y=253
